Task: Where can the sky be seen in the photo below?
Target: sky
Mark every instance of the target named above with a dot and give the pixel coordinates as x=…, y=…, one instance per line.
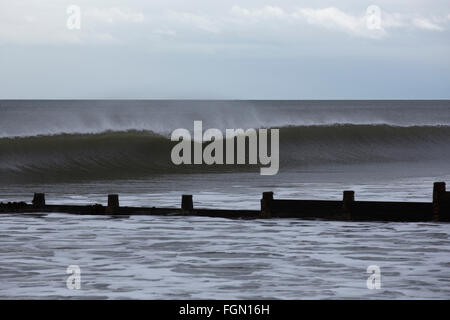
x=204, y=49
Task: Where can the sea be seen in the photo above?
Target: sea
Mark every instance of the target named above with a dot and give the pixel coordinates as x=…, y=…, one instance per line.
x=79, y=151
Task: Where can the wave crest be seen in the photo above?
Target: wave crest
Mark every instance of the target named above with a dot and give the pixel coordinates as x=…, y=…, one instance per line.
x=137, y=154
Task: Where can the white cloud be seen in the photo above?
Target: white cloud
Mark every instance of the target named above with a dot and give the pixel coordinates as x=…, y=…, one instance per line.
x=201, y=22
x=426, y=24
x=331, y=18
x=266, y=12
x=335, y=19
x=44, y=22
x=114, y=15
x=28, y=23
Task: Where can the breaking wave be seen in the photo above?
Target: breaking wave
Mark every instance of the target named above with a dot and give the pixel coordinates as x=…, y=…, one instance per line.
x=139, y=154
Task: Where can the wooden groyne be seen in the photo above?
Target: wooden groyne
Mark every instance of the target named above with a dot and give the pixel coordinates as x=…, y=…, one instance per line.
x=348, y=209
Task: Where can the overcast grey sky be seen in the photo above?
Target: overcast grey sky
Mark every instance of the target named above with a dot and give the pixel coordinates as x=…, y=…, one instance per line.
x=247, y=49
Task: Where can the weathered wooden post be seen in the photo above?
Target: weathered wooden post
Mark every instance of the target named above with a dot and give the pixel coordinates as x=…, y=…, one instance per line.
x=39, y=200
x=438, y=200
x=347, y=203
x=187, y=204
x=113, y=203
x=266, y=204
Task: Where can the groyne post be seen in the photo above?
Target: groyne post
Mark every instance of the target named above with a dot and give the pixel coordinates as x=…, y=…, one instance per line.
x=39, y=200
x=187, y=204
x=347, y=202
x=266, y=204
x=440, y=200
x=113, y=203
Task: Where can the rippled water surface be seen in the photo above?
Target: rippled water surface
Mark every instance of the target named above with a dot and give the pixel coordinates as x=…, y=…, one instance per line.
x=202, y=258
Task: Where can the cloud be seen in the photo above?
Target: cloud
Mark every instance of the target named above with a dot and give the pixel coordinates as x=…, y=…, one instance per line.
x=201, y=22
x=426, y=24
x=394, y=20
x=335, y=19
x=332, y=18
x=114, y=15
x=266, y=12
x=23, y=23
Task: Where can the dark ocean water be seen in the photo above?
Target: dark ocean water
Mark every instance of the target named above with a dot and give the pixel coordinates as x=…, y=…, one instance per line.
x=79, y=151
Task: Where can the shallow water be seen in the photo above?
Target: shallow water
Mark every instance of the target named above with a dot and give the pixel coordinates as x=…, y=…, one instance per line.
x=203, y=258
